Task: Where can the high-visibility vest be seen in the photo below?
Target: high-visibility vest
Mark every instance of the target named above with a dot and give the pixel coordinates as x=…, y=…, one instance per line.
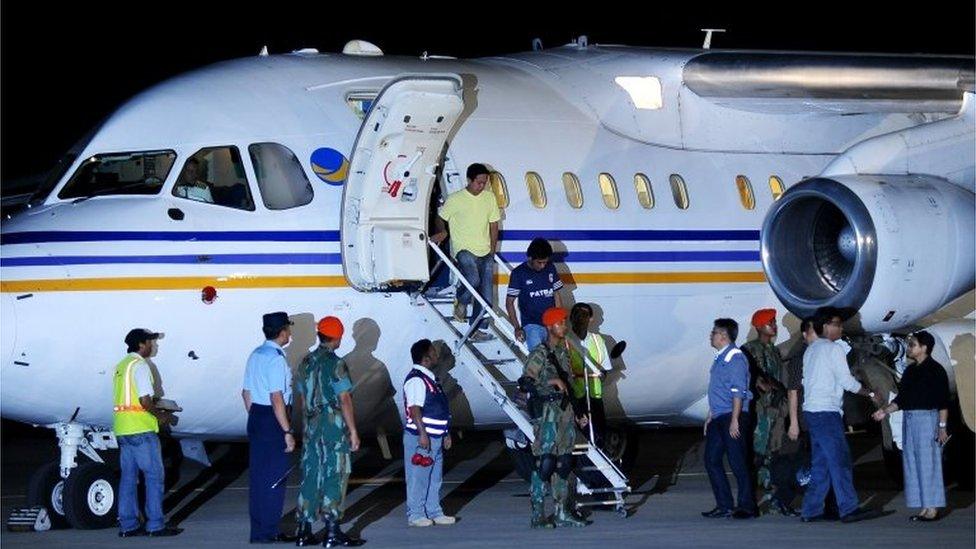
x=130, y=417
x=581, y=371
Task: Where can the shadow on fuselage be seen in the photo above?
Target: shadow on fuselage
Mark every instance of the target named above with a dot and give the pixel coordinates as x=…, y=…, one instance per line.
x=373, y=394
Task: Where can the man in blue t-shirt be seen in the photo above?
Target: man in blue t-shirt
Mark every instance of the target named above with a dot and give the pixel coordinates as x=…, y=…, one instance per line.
x=535, y=284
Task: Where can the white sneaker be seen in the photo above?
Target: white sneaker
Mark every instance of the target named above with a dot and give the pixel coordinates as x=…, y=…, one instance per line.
x=444, y=520
x=421, y=522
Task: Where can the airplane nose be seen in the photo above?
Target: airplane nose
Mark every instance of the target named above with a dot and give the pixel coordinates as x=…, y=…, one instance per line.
x=8, y=329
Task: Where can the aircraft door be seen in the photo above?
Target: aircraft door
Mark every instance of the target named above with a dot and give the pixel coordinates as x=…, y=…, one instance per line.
x=392, y=171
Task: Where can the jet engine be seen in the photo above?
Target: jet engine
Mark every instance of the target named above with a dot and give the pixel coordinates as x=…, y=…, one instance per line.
x=895, y=248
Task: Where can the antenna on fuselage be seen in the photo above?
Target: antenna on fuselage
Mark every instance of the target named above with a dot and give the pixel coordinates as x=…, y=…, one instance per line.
x=708, y=37
x=264, y=51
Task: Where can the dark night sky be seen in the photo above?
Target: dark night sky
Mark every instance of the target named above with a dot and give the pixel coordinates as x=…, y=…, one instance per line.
x=64, y=67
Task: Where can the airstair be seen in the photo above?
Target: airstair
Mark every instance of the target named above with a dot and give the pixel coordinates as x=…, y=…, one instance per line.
x=497, y=364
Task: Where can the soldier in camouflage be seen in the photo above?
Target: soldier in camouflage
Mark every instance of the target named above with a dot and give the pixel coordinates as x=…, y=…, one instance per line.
x=330, y=436
x=771, y=404
x=545, y=379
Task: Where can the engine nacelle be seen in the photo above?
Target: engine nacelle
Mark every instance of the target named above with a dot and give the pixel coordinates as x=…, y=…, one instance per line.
x=895, y=248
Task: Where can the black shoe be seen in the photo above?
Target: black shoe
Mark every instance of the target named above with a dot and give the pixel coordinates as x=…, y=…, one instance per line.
x=743, y=514
x=304, y=535
x=140, y=531
x=717, y=512
x=165, y=532
x=815, y=518
x=922, y=518
x=784, y=509
x=861, y=514
x=337, y=538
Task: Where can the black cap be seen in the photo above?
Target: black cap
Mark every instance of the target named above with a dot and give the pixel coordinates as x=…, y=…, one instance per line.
x=139, y=335
x=276, y=321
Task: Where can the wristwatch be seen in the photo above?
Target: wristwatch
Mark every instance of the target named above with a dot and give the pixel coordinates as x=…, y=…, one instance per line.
x=942, y=425
x=871, y=394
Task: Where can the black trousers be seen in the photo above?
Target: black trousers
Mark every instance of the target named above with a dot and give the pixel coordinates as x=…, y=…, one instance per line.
x=268, y=464
x=718, y=444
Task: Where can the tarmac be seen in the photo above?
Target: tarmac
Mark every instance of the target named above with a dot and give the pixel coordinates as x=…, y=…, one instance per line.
x=670, y=489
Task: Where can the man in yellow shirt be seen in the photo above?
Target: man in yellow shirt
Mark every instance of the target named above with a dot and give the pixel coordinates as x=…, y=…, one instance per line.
x=472, y=215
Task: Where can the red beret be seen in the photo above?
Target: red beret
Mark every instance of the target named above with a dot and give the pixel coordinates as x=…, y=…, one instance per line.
x=553, y=315
x=762, y=317
x=331, y=327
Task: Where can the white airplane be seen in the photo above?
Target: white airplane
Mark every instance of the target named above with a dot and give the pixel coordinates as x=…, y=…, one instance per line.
x=678, y=186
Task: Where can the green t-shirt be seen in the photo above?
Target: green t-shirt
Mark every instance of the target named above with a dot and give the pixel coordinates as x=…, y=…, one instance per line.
x=469, y=217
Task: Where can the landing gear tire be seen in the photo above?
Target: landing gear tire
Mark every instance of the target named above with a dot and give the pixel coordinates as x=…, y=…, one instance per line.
x=46, y=489
x=621, y=446
x=91, y=496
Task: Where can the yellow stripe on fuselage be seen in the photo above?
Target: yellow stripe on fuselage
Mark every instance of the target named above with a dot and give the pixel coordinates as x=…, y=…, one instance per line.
x=337, y=281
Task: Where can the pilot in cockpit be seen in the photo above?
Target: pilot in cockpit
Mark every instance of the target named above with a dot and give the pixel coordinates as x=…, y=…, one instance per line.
x=189, y=185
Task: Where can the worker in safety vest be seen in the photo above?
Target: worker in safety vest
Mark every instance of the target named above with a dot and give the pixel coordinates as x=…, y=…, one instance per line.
x=136, y=425
x=594, y=345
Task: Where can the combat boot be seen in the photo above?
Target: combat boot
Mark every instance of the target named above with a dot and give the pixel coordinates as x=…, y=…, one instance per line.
x=538, y=498
x=304, y=534
x=337, y=538
x=564, y=514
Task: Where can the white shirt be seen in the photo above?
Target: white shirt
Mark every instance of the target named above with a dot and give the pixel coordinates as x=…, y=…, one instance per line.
x=143, y=379
x=826, y=377
x=414, y=390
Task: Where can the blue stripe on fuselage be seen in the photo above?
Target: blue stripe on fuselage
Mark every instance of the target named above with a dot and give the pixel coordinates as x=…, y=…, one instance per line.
x=37, y=237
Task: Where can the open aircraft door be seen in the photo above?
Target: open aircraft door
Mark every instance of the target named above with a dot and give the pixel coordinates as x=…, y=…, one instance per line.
x=392, y=171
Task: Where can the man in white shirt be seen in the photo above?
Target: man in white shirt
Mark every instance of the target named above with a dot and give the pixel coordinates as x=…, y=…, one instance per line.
x=426, y=434
x=825, y=378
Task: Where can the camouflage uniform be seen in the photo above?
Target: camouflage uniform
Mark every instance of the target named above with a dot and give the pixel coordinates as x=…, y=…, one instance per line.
x=772, y=408
x=325, y=454
x=554, y=431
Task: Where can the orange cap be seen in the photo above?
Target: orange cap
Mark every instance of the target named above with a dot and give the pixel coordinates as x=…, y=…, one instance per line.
x=331, y=326
x=762, y=317
x=553, y=315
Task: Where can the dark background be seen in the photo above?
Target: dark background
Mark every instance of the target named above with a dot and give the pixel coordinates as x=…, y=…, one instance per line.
x=65, y=66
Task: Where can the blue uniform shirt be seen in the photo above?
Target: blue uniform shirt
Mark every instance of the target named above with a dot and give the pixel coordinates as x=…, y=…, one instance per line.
x=535, y=291
x=267, y=371
x=729, y=378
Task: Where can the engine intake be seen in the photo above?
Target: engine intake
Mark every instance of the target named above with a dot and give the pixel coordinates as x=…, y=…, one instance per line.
x=896, y=248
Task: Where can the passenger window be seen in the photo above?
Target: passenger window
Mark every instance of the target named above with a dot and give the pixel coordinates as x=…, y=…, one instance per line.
x=574, y=194
x=608, y=188
x=497, y=182
x=215, y=175
x=537, y=191
x=679, y=191
x=120, y=173
x=746, y=197
x=281, y=180
x=645, y=194
x=776, y=187
x=360, y=103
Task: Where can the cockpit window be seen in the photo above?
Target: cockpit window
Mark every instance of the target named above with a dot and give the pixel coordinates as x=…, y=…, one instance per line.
x=120, y=173
x=282, y=182
x=215, y=175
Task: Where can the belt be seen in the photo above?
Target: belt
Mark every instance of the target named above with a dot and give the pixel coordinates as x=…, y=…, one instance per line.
x=551, y=397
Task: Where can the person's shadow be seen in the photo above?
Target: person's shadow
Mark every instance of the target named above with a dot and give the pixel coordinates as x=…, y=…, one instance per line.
x=373, y=394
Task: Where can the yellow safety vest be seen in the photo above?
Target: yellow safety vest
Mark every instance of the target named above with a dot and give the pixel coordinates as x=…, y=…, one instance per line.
x=130, y=417
x=580, y=371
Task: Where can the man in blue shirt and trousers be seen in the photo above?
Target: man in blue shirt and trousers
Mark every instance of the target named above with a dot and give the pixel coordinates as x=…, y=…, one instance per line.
x=267, y=396
x=727, y=426
x=535, y=284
